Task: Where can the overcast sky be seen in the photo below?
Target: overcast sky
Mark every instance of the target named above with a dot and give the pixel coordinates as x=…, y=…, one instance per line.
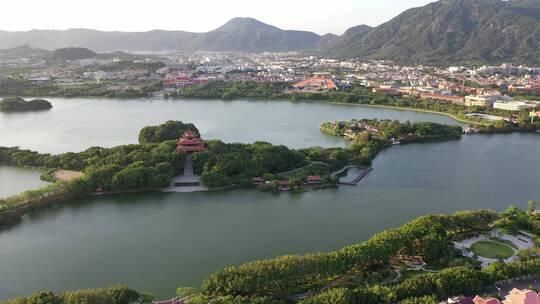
x=320, y=16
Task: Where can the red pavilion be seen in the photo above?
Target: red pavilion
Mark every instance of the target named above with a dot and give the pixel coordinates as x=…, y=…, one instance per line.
x=190, y=142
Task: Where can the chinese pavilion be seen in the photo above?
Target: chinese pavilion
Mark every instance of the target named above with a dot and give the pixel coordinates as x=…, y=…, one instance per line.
x=190, y=142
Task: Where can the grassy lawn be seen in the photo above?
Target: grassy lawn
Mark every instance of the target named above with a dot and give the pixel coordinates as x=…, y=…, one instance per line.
x=505, y=241
x=492, y=250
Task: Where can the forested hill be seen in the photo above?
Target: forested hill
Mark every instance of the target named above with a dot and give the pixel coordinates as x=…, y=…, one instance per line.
x=453, y=31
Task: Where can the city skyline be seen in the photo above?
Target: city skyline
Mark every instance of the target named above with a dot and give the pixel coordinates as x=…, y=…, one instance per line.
x=304, y=15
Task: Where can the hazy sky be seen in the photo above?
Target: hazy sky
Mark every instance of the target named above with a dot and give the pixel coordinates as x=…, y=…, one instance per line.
x=320, y=16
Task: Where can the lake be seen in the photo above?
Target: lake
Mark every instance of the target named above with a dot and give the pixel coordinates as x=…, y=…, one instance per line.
x=14, y=180
x=159, y=241
x=76, y=124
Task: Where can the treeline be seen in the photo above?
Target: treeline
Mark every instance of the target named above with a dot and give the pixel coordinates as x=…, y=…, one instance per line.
x=16, y=87
x=426, y=236
x=111, y=295
x=430, y=288
x=231, y=90
x=16, y=104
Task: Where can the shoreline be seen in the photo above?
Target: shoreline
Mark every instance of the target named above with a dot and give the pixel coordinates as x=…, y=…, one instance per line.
x=470, y=122
x=408, y=109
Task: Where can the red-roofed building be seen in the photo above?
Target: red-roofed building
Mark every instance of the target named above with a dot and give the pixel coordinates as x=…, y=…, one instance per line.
x=190, y=142
x=459, y=300
x=257, y=180
x=528, y=89
x=450, y=98
x=388, y=91
x=314, y=180
x=172, y=301
x=526, y=296
x=284, y=185
x=316, y=84
x=480, y=300
x=179, y=82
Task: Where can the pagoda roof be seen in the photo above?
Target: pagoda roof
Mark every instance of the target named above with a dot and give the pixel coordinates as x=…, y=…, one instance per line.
x=192, y=141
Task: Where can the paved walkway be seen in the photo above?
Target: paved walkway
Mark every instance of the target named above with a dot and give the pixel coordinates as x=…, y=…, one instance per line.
x=343, y=169
x=188, y=182
x=289, y=172
x=521, y=242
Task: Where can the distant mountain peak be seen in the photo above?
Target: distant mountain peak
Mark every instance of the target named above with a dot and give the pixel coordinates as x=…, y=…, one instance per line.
x=72, y=53
x=357, y=30
x=245, y=23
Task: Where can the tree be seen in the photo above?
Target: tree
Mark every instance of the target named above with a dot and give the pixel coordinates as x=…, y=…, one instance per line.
x=135, y=176
x=146, y=297
x=170, y=130
x=122, y=294
x=44, y=298
x=420, y=300
x=331, y=296
x=186, y=291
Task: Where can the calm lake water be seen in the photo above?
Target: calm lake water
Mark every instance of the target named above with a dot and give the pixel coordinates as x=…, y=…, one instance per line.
x=14, y=180
x=77, y=124
x=157, y=242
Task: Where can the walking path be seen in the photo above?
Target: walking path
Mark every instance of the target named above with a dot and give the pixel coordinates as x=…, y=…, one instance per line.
x=310, y=293
x=188, y=182
x=289, y=172
x=363, y=173
x=343, y=170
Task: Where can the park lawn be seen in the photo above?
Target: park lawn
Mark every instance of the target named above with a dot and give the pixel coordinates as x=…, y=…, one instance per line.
x=507, y=242
x=492, y=250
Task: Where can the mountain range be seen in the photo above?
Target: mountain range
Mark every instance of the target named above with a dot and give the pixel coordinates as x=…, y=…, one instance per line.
x=239, y=34
x=442, y=32
x=453, y=31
